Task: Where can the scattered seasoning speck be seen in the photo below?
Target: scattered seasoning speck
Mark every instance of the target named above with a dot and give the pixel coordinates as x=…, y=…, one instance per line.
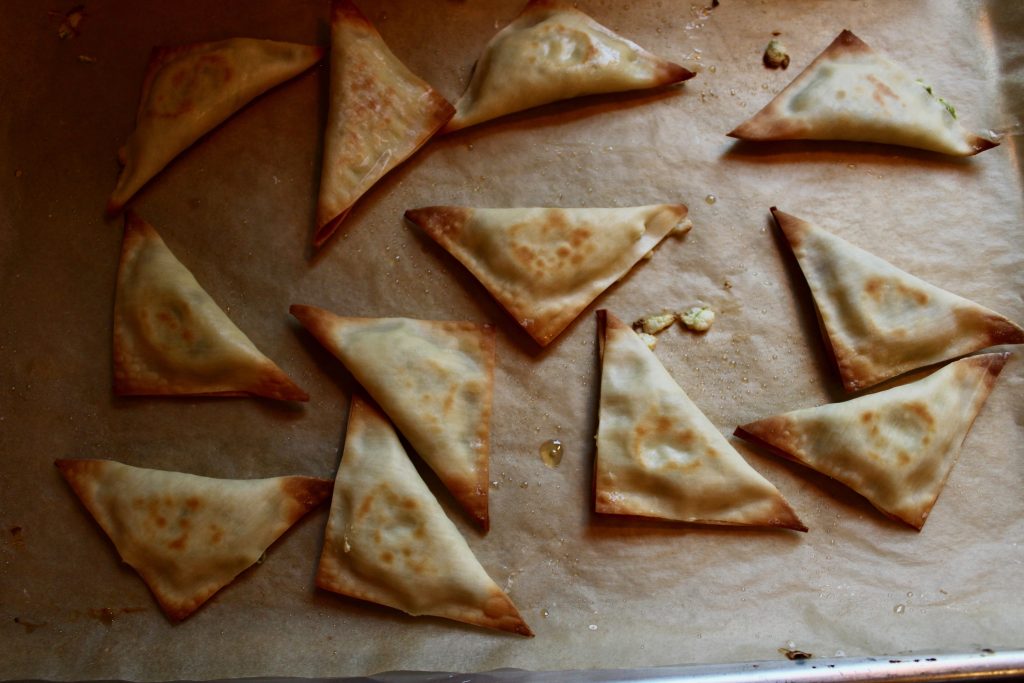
x=775, y=56
x=70, y=23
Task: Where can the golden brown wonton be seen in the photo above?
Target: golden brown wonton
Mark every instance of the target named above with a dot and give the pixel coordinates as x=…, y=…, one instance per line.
x=851, y=92
x=659, y=456
x=189, y=536
x=546, y=265
x=380, y=113
x=435, y=380
x=171, y=338
x=895, y=447
x=880, y=321
x=189, y=90
x=388, y=540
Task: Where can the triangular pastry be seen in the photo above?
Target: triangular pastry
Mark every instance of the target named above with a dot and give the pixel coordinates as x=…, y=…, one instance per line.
x=550, y=53
x=171, y=338
x=895, y=447
x=189, y=90
x=850, y=92
x=379, y=114
x=435, y=380
x=879, y=320
x=189, y=536
x=659, y=456
x=546, y=265
x=388, y=540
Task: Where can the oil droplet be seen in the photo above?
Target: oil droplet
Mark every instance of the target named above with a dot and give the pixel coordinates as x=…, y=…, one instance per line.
x=551, y=452
x=544, y=613
x=525, y=485
x=899, y=609
x=910, y=594
x=711, y=199
x=712, y=68
x=593, y=627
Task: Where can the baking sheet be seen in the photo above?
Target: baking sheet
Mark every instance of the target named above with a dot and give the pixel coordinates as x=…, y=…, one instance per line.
x=238, y=210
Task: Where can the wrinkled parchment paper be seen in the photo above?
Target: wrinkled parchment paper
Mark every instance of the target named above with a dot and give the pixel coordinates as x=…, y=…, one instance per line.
x=238, y=210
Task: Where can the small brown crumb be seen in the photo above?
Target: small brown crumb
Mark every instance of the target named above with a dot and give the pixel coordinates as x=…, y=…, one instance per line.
x=775, y=55
x=69, y=25
x=104, y=615
x=794, y=655
x=727, y=284
x=653, y=324
x=27, y=625
x=17, y=538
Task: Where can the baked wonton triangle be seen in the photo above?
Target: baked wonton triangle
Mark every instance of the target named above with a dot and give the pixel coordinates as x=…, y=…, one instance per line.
x=550, y=53
x=388, y=540
x=435, y=380
x=189, y=536
x=850, y=92
x=379, y=114
x=880, y=321
x=896, y=447
x=659, y=456
x=189, y=90
x=171, y=338
x=546, y=265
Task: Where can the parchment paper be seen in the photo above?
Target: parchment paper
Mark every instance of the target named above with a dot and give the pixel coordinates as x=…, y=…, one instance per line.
x=238, y=210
